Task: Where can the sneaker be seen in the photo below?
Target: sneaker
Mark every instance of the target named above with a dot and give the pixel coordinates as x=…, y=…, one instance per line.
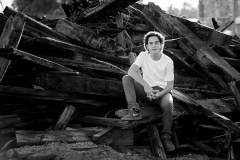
x=132, y=115
x=168, y=145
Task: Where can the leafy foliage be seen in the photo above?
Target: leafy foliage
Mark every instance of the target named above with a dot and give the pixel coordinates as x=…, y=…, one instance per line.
x=38, y=7
x=187, y=11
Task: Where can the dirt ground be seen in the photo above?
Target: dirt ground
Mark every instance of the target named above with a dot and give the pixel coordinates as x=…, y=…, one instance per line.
x=85, y=151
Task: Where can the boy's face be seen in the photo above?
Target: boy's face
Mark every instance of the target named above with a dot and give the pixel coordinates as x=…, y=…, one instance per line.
x=154, y=45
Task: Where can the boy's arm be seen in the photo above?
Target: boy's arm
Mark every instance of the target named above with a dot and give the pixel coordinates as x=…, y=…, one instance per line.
x=167, y=89
x=134, y=72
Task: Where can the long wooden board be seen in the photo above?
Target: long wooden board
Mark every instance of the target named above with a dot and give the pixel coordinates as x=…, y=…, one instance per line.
x=12, y=53
x=10, y=37
x=34, y=28
x=87, y=37
x=77, y=84
x=203, y=109
x=102, y=10
x=81, y=51
x=46, y=95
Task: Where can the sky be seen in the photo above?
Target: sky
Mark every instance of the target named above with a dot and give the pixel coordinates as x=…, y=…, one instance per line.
x=164, y=4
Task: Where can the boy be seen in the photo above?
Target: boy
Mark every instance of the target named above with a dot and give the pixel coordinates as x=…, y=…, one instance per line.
x=154, y=86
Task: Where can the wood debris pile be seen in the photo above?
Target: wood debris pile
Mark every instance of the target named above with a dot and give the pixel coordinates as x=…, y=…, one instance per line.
x=61, y=79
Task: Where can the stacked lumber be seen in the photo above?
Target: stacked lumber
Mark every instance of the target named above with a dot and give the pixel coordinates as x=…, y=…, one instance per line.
x=61, y=79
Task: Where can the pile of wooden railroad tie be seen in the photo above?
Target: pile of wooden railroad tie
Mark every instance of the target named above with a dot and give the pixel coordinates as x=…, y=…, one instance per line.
x=72, y=67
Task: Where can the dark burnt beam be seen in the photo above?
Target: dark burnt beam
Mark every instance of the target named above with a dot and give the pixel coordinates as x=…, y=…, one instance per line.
x=10, y=37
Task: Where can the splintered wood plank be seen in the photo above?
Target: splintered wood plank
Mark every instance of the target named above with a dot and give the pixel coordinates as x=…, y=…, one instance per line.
x=179, y=61
x=214, y=65
x=225, y=26
x=10, y=37
x=46, y=95
x=35, y=28
x=87, y=65
x=9, y=120
x=85, y=36
x=151, y=22
x=207, y=34
x=12, y=53
x=117, y=122
x=25, y=137
x=121, y=36
x=77, y=84
x=201, y=108
x=156, y=143
x=81, y=51
x=102, y=10
x=64, y=118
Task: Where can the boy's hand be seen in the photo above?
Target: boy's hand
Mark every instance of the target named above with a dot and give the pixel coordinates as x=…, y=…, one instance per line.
x=148, y=89
x=156, y=94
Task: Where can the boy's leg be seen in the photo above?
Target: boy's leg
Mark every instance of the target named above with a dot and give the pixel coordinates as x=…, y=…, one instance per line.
x=133, y=91
x=166, y=103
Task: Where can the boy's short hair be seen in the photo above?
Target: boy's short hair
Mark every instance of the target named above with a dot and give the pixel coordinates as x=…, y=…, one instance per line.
x=151, y=34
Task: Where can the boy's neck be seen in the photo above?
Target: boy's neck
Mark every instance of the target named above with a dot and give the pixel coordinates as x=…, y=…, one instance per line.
x=156, y=56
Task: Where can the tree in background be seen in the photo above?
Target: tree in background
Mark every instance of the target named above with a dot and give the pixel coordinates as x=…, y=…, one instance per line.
x=221, y=10
x=187, y=11
x=39, y=7
x=173, y=11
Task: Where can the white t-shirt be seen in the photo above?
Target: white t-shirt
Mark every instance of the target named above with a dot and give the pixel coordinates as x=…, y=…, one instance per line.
x=155, y=73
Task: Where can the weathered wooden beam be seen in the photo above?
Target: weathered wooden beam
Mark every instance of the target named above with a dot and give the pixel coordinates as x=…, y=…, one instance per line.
x=179, y=61
x=85, y=36
x=150, y=21
x=225, y=25
x=104, y=9
x=77, y=84
x=219, y=105
x=121, y=37
x=210, y=61
x=64, y=118
x=39, y=137
x=116, y=122
x=86, y=65
x=156, y=143
x=81, y=51
x=207, y=34
x=35, y=28
x=10, y=37
x=12, y=53
x=201, y=145
x=46, y=95
x=201, y=108
x=9, y=120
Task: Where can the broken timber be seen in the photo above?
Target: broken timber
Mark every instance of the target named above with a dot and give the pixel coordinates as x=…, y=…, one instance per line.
x=116, y=122
x=214, y=65
x=77, y=84
x=81, y=52
x=88, y=37
x=39, y=137
x=46, y=95
x=10, y=37
x=102, y=10
x=12, y=52
x=207, y=34
x=34, y=28
x=64, y=118
x=201, y=108
x=156, y=143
